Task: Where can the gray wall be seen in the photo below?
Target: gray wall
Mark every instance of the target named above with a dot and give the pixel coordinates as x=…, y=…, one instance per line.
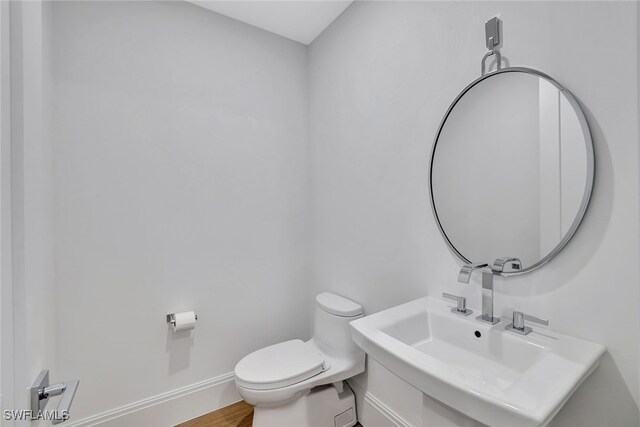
x=184, y=179
x=180, y=144
x=381, y=78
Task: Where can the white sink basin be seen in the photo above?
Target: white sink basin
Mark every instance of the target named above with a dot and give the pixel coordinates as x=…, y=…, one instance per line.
x=499, y=378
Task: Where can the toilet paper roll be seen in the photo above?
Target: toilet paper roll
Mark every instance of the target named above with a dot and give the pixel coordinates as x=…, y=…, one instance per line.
x=185, y=321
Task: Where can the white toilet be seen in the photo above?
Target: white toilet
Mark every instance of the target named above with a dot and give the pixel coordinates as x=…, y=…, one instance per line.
x=297, y=383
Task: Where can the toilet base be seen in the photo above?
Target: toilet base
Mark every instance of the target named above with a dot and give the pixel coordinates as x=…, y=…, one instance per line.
x=323, y=406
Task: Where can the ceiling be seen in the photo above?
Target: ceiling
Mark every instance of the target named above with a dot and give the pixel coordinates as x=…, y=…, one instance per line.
x=300, y=20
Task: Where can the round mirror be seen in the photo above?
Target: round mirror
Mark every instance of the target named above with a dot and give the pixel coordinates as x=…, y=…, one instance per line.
x=511, y=169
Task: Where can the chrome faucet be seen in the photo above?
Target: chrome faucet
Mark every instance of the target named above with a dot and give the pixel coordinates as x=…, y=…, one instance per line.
x=487, y=289
x=498, y=265
x=487, y=282
x=518, y=325
x=465, y=272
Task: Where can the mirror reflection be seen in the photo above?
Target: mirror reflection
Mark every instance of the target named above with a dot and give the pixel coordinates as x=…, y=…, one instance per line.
x=512, y=169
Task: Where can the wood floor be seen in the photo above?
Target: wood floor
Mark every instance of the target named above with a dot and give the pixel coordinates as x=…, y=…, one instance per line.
x=237, y=415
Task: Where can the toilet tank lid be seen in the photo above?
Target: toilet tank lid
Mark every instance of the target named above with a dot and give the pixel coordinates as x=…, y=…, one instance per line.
x=337, y=305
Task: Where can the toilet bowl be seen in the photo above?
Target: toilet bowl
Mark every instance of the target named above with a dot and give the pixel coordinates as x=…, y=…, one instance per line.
x=298, y=383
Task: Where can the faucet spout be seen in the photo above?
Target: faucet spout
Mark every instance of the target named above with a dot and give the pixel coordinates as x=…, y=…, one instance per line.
x=487, y=289
x=499, y=264
x=465, y=272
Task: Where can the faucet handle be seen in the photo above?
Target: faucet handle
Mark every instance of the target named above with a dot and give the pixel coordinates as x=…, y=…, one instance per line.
x=461, y=304
x=518, y=325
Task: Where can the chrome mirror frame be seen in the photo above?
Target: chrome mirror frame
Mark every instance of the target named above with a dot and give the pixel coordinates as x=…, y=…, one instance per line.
x=584, y=204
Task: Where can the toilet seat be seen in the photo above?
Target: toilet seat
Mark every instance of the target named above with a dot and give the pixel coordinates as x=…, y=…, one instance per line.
x=279, y=365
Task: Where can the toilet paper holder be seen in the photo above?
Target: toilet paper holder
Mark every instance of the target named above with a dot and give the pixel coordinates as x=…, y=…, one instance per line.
x=171, y=318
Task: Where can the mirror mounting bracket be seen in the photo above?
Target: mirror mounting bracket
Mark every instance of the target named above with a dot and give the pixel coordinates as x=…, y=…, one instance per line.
x=492, y=40
x=492, y=33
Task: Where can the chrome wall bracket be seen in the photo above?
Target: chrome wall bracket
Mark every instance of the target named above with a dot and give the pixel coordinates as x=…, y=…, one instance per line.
x=41, y=391
x=492, y=33
x=492, y=40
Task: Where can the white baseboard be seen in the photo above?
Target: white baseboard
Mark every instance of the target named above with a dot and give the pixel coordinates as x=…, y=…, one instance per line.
x=176, y=406
x=375, y=414
x=169, y=408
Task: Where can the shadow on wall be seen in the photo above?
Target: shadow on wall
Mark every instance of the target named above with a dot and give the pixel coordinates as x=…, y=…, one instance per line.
x=590, y=234
x=178, y=346
x=619, y=402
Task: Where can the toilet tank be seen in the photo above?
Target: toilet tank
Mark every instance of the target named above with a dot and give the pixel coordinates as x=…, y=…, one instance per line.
x=331, y=331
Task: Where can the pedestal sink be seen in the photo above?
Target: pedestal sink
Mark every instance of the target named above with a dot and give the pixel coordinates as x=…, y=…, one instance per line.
x=492, y=375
